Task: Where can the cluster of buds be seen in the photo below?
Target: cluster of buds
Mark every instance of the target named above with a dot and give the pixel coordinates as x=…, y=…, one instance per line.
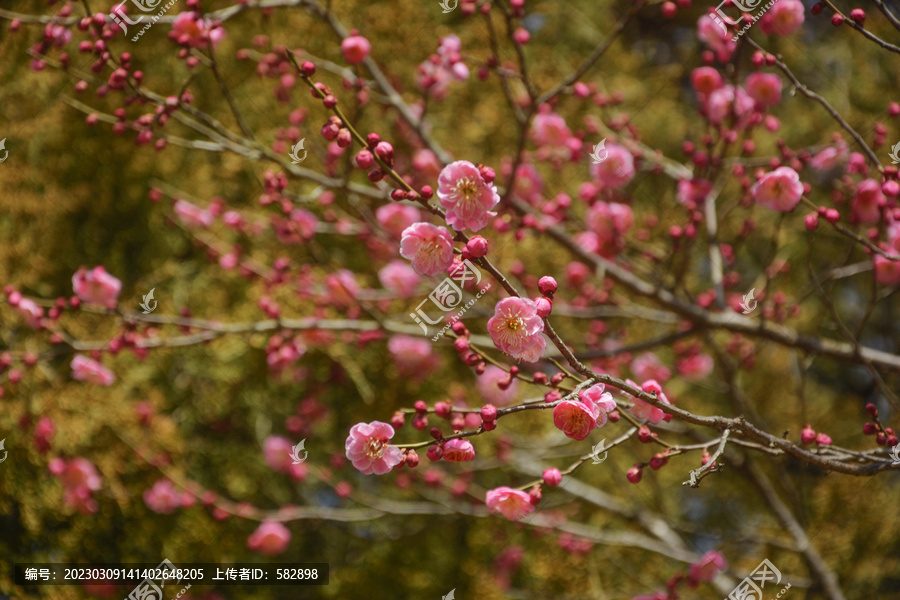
x=488, y=417
x=884, y=436
x=809, y=435
x=420, y=421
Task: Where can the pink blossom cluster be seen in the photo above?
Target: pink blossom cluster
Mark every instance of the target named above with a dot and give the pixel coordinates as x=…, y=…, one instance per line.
x=96, y=286
x=517, y=330
x=164, y=498
x=278, y=452
x=577, y=418
x=193, y=30
x=435, y=75
x=80, y=479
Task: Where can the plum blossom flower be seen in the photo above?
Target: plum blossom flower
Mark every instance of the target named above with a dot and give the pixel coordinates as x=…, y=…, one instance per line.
x=467, y=197
x=396, y=217
x=517, y=330
x=80, y=479
x=830, y=157
x=550, y=129
x=645, y=410
x=355, y=49
x=342, y=287
x=399, y=278
x=709, y=564
x=610, y=221
x=724, y=100
x=88, y=369
x=194, y=216
x=491, y=392
x=784, y=18
x=96, y=286
x=705, y=80
x=779, y=190
x=764, y=88
x=192, y=29
x=695, y=367
x=435, y=75
x=30, y=310
x=428, y=247
x=512, y=504
x=887, y=271
x=576, y=419
x=617, y=170
x=648, y=366
x=458, y=450
x=269, y=539
x=528, y=185
x=709, y=32
x=413, y=356
x=868, y=200
x=597, y=397
x=368, y=450
x=163, y=497
x=277, y=452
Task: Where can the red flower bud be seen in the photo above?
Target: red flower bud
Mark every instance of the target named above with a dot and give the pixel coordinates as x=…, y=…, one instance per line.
x=808, y=435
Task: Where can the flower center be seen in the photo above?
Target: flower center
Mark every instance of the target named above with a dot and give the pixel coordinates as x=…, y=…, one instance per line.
x=467, y=188
x=374, y=448
x=514, y=323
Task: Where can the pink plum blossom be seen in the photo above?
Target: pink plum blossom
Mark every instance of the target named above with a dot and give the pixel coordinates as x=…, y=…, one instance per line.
x=517, y=330
x=30, y=310
x=512, y=504
x=576, y=419
x=342, y=287
x=550, y=129
x=784, y=18
x=529, y=185
x=720, y=42
x=709, y=564
x=96, y=286
x=491, y=392
x=693, y=192
x=695, y=367
x=610, y=221
x=88, y=369
x=269, y=539
x=192, y=215
x=396, y=217
x=466, y=196
x=163, y=497
x=645, y=410
x=277, y=452
x=414, y=356
x=779, y=190
x=368, y=450
x=435, y=75
x=428, y=247
x=355, y=49
x=887, y=271
x=725, y=100
x=400, y=278
x=764, y=88
x=458, y=450
x=80, y=479
x=617, y=170
x=597, y=397
x=830, y=157
x=868, y=200
x=706, y=80
x=648, y=366
x=192, y=29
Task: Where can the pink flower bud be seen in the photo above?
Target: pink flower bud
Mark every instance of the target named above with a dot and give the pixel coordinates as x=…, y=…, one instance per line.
x=385, y=152
x=808, y=435
x=355, y=49
x=870, y=428
x=535, y=495
x=412, y=459
x=365, y=160
x=544, y=306
x=823, y=439
x=547, y=285
x=398, y=420
x=872, y=410
x=858, y=15
x=420, y=406
x=635, y=473
x=489, y=413
x=477, y=246
x=552, y=477
x=435, y=453
x=811, y=221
